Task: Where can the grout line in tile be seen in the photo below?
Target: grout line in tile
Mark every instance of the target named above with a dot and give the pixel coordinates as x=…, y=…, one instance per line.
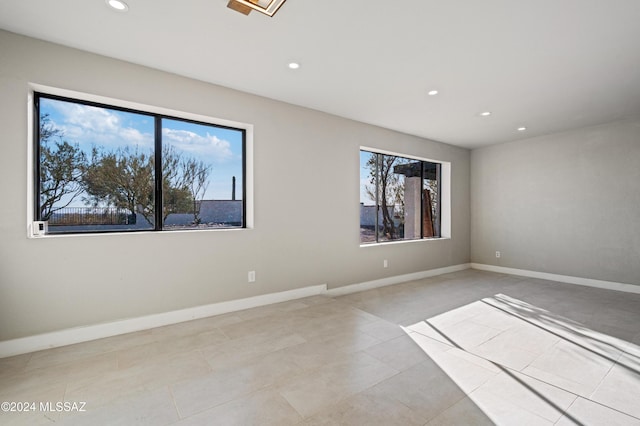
x=173, y=400
x=605, y=406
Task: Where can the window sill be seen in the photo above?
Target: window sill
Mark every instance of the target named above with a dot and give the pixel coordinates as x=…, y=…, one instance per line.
x=102, y=234
x=387, y=243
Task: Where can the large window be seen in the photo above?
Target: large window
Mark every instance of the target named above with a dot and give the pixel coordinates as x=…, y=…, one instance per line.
x=400, y=198
x=101, y=168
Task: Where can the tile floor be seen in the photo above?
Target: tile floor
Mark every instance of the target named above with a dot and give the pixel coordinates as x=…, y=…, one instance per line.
x=468, y=348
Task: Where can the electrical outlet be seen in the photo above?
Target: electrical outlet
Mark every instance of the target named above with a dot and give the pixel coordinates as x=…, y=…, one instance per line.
x=498, y=254
x=252, y=276
x=385, y=263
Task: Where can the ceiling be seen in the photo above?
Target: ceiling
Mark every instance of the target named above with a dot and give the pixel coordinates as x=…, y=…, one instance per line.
x=548, y=65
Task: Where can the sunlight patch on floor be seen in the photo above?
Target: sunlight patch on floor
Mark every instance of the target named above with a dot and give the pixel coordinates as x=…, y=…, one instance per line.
x=520, y=363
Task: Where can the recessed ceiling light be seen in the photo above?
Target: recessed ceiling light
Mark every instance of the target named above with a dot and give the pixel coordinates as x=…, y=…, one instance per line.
x=485, y=114
x=432, y=92
x=522, y=129
x=294, y=65
x=118, y=5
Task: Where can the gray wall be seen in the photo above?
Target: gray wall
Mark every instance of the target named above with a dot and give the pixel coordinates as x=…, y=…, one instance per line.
x=306, y=164
x=565, y=204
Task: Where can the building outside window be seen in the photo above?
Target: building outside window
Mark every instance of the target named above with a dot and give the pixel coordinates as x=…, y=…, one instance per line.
x=400, y=198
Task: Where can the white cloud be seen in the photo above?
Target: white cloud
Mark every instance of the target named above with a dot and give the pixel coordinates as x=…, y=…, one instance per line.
x=210, y=146
x=94, y=126
x=89, y=125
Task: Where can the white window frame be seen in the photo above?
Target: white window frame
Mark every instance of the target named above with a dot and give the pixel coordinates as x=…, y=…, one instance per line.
x=445, y=196
x=31, y=120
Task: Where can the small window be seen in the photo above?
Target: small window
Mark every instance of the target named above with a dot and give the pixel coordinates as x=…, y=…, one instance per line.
x=400, y=198
x=102, y=168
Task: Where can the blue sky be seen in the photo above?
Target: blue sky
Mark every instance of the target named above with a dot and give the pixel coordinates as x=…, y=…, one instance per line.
x=89, y=126
x=365, y=178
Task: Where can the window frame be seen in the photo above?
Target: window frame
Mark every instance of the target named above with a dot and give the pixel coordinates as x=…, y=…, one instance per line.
x=157, y=114
x=444, y=198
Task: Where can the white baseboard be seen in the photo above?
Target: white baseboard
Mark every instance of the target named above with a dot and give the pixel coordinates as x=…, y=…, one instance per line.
x=98, y=331
x=607, y=285
x=92, y=332
x=368, y=285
